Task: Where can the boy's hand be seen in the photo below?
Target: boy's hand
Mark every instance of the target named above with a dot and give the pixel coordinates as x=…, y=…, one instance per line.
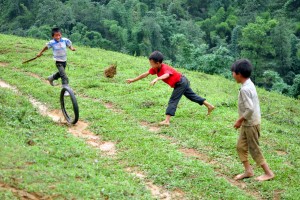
x=153, y=82
x=129, y=81
x=237, y=124
x=73, y=49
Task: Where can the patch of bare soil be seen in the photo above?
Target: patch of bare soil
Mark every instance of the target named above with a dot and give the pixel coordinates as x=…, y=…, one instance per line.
x=23, y=195
x=157, y=191
x=111, y=106
x=277, y=194
x=151, y=127
x=55, y=115
x=5, y=85
x=281, y=153
x=3, y=64
x=79, y=130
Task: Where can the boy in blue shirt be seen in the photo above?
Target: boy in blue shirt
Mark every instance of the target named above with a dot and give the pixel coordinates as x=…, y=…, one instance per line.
x=59, y=46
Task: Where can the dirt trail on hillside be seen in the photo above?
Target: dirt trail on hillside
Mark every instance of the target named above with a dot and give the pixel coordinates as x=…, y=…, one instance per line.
x=24, y=195
x=80, y=130
x=3, y=64
x=158, y=192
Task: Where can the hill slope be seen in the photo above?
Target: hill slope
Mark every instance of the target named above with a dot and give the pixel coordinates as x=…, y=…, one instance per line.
x=194, y=158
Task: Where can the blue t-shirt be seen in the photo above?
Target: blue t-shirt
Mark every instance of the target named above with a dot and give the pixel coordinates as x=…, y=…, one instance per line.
x=59, y=48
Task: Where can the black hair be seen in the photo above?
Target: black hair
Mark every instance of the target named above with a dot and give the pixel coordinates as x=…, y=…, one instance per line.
x=243, y=67
x=156, y=56
x=55, y=30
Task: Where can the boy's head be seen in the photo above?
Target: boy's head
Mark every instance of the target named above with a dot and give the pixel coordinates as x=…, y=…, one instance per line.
x=156, y=58
x=56, y=34
x=241, y=70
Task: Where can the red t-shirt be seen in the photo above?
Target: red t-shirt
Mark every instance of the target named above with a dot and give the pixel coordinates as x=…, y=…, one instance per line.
x=166, y=69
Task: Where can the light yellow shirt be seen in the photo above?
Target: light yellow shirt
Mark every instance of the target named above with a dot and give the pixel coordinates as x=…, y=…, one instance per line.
x=248, y=104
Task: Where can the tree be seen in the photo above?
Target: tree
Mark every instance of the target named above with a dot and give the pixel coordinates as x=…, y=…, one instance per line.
x=217, y=62
x=42, y=32
x=55, y=13
x=256, y=45
x=295, y=58
x=182, y=48
x=235, y=37
x=296, y=87
x=281, y=43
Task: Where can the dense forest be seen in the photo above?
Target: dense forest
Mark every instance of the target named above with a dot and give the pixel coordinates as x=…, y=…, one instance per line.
x=199, y=35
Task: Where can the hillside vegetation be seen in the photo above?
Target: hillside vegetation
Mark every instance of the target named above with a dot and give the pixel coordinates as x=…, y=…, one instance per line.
x=199, y=35
x=194, y=157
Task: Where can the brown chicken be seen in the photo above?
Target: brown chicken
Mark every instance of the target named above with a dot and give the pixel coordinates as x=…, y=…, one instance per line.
x=111, y=71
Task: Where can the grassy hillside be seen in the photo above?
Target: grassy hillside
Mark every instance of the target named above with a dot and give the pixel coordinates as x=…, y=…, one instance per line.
x=195, y=155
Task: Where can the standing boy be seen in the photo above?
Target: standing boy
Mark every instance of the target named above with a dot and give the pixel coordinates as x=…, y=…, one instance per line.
x=59, y=46
x=248, y=122
x=175, y=80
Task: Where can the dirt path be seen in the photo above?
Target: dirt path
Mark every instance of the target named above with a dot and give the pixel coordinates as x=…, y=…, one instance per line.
x=108, y=148
x=23, y=195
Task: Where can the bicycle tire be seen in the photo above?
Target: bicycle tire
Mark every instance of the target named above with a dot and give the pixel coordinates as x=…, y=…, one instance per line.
x=67, y=115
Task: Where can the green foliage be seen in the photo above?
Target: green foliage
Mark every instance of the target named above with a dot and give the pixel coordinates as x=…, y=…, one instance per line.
x=256, y=38
x=274, y=82
x=266, y=32
x=296, y=87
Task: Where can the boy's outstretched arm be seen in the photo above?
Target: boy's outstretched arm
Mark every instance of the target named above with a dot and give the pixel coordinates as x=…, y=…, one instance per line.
x=144, y=75
x=42, y=51
x=162, y=77
x=72, y=48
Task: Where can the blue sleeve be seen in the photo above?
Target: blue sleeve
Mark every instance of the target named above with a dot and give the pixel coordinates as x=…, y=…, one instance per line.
x=49, y=44
x=68, y=42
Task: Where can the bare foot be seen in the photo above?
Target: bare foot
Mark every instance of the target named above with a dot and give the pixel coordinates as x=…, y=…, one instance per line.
x=210, y=109
x=244, y=175
x=164, y=123
x=265, y=177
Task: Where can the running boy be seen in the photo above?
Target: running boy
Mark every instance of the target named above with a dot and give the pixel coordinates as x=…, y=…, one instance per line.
x=248, y=122
x=59, y=46
x=175, y=80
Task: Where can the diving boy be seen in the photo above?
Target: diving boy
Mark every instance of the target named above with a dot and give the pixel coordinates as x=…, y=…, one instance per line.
x=175, y=80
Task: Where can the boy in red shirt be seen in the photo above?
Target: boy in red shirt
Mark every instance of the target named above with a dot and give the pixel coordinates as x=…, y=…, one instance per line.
x=176, y=80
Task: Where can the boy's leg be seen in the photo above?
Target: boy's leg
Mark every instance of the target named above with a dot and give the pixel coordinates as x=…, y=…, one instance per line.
x=248, y=172
x=268, y=173
x=174, y=100
x=51, y=79
x=61, y=72
x=242, y=149
x=253, y=134
x=191, y=95
x=166, y=122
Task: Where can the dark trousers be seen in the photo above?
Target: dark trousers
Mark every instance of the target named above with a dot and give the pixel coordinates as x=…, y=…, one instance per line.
x=61, y=66
x=182, y=88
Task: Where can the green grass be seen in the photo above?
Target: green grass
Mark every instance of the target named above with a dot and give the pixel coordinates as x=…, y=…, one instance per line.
x=59, y=159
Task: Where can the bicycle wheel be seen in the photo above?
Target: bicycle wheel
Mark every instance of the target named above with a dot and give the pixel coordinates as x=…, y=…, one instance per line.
x=69, y=105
